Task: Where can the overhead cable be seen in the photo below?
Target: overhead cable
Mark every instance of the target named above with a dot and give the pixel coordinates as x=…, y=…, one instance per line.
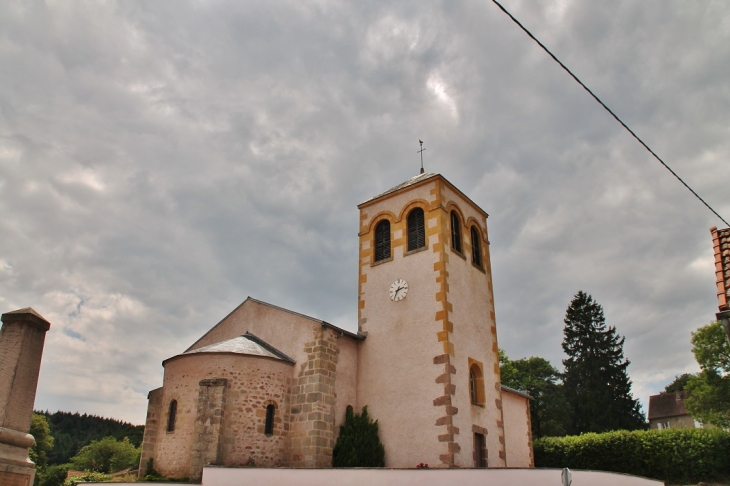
x=609, y=110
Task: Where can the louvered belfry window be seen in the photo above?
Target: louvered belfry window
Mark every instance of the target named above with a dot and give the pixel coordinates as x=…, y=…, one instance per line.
x=476, y=249
x=416, y=230
x=455, y=232
x=382, y=240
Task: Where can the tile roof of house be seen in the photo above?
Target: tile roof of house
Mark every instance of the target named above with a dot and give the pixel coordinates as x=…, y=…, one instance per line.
x=247, y=344
x=667, y=405
x=721, y=246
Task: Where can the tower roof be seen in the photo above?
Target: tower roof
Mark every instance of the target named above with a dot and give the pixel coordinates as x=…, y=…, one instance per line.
x=409, y=182
x=417, y=180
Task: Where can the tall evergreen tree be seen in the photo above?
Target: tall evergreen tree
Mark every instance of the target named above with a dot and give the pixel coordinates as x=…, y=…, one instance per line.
x=597, y=386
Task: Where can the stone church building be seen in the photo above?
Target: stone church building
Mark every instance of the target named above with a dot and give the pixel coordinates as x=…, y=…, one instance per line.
x=271, y=385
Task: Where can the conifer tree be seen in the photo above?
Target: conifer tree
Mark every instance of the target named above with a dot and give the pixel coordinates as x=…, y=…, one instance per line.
x=358, y=444
x=597, y=386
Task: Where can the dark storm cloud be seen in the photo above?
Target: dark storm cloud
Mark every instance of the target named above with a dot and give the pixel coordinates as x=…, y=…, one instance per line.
x=161, y=161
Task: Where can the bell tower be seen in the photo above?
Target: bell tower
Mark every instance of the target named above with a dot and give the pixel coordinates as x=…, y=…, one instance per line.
x=429, y=368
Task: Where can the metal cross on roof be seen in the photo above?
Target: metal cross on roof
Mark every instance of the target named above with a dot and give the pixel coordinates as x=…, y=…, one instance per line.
x=421, y=152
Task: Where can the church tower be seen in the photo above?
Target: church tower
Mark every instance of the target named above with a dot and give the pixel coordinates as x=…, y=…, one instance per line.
x=429, y=369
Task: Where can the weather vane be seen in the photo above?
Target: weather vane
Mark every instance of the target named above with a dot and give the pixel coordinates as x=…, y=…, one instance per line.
x=421, y=152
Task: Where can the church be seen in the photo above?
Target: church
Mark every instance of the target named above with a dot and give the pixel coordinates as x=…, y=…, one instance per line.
x=271, y=386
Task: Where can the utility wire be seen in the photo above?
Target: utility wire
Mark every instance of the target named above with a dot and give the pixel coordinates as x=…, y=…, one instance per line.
x=608, y=110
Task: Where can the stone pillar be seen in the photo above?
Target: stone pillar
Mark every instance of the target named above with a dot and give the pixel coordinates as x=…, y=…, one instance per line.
x=312, y=411
x=21, y=347
x=208, y=425
x=151, y=429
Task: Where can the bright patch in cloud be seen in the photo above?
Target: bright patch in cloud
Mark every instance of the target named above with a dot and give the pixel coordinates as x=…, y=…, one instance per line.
x=441, y=92
x=86, y=178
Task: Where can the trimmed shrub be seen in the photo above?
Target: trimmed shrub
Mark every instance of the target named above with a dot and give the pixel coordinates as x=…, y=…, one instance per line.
x=87, y=477
x=672, y=455
x=358, y=444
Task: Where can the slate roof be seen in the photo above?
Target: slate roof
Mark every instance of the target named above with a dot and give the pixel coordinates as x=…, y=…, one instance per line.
x=721, y=247
x=247, y=344
x=517, y=392
x=667, y=405
x=409, y=182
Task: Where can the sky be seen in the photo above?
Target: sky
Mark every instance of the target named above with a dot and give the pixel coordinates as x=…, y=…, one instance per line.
x=161, y=161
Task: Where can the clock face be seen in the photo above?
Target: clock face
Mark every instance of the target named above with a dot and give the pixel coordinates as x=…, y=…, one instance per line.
x=398, y=290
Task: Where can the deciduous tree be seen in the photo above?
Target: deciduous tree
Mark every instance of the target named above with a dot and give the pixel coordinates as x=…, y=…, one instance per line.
x=38, y=452
x=679, y=383
x=106, y=456
x=709, y=399
x=535, y=375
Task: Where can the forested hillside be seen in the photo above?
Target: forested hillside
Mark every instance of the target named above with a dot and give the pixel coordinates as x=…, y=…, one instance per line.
x=73, y=431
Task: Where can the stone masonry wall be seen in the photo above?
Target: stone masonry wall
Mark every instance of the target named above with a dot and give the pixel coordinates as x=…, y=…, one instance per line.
x=208, y=424
x=252, y=383
x=151, y=426
x=244, y=436
x=312, y=412
x=21, y=347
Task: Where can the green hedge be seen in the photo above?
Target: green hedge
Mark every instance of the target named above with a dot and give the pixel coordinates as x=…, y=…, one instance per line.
x=672, y=455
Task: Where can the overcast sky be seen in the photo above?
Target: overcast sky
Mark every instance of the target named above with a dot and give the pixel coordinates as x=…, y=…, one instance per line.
x=161, y=161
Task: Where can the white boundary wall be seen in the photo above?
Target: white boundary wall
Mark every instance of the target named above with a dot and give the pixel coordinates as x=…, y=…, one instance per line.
x=220, y=476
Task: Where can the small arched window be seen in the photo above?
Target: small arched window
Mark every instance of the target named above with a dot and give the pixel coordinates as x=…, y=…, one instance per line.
x=382, y=240
x=476, y=384
x=171, y=416
x=476, y=248
x=416, y=230
x=269, y=427
x=455, y=232
x=473, y=386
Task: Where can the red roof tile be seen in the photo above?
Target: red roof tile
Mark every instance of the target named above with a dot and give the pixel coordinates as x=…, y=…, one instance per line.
x=721, y=246
x=667, y=405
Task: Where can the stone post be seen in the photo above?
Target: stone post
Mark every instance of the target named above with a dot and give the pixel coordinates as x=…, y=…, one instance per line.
x=208, y=425
x=21, y=347
x=151, y=429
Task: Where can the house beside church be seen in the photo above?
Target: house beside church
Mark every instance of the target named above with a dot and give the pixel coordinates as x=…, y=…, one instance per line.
x=667, y=411
x=271, y=385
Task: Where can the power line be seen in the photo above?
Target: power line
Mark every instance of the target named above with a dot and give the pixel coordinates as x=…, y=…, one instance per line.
x=609, y=110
